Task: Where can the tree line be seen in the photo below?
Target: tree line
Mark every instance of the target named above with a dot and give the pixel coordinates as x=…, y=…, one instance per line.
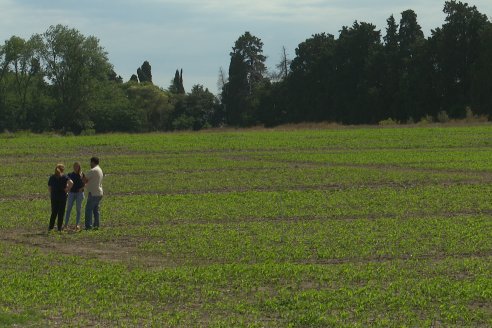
x=63, y=81
x=364, y=77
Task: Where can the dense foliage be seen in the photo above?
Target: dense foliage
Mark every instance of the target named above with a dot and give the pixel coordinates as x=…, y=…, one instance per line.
x=62, y=80
x=364, y=77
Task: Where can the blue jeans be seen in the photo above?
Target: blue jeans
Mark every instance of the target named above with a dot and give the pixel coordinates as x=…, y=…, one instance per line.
x=91, y=207
x=76, y=197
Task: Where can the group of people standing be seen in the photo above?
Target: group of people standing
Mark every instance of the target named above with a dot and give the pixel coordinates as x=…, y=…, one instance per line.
x=71, y=187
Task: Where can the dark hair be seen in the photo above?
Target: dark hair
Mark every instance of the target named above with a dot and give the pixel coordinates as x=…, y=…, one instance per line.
x=95, y=160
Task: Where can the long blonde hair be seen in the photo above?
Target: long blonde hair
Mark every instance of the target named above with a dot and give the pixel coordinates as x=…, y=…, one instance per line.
x=80, y=168
x=59, y=169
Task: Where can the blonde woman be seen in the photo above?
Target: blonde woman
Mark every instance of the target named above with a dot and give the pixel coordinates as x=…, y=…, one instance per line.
x=76, y=194
x=58, y=185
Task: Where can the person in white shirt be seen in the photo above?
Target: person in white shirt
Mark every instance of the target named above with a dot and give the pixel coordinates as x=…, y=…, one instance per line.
x=93, y=185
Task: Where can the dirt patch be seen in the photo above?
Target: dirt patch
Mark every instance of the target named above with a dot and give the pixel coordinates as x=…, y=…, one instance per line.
x=120, y=250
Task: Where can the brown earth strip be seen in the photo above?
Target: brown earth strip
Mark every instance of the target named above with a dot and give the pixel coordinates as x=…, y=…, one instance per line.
x=226, y=190
x=327, y=217
x=167, y=171
x=177, y=153
x=378, y=166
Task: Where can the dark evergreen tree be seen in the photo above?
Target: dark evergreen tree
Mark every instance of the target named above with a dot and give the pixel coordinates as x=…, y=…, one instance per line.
x=246, y=74
x=410, y=33
x=181, y=88
x=391, y=39
x=358, y=77
x=134, y=78
x=411, y=39
x=177, y=86
x=236, y=91
x=145, y=73
x=457, y=46
x=482, y=72
x=310, y=84
x=391, y=79
x=174, y=88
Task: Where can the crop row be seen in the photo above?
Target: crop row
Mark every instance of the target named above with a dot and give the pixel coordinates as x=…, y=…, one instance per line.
x=461, y=159
x=238, y=206
x=451, y=137
x=316, y=241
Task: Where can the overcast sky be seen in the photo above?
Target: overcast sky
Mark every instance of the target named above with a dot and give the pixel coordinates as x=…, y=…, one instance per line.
x=197, y=35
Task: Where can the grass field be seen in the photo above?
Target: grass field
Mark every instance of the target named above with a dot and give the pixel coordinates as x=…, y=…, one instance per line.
x=270, y=228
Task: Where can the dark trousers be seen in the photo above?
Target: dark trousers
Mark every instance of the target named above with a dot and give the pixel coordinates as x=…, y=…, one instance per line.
x=57, y=210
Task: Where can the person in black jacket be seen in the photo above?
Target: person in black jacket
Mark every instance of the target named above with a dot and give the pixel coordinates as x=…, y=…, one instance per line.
x=58, y=185
x=76, y=194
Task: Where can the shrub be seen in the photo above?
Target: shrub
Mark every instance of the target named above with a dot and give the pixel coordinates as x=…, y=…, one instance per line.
x=7, y=134
x=427, y=119
x=183, y=122
x=443, y=117
x=470, y=117
x=388, y=121
x=88, y=132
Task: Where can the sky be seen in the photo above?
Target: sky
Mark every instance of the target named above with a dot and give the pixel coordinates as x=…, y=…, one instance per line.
x=198, y=35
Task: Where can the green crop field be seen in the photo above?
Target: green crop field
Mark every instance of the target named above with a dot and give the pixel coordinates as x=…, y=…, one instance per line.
x=264, y=228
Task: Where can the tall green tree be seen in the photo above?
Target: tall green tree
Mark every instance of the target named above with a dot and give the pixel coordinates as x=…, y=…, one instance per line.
x=481, y=91
x=5, y=60
x=358, y=75
x=410, y=33
x=311, y=81
x=391, y=79
x=411, y=40
x=246, y=73
x=177, y=84
x=73, y=65
x=26, y=69
x=151, y=104
x=235, y=94
x=457, y=45
x=20, y=76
